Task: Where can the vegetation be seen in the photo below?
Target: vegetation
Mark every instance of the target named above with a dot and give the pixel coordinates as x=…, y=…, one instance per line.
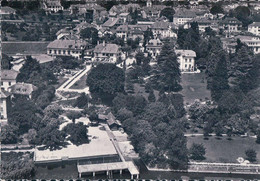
x=77, y=133
x=251, y=155
x=197, y=152
x=106, y=79
x=168, y=13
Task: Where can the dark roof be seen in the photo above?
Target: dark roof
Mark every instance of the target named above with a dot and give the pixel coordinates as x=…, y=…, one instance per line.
x=162, y=25
x=112, y=120
x=229, y=20
x=108, y=48
x=110, y=22
x=8, y=74
x=5, y=94
x=185, y=14
x=65, y=44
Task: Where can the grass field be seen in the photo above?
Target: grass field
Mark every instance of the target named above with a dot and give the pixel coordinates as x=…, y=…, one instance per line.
x=24, y=47
x=224, y=150
x=194, y=87
x=80, y=84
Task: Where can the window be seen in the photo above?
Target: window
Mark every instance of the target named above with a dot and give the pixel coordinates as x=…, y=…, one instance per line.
x=55, y=51
x=59, y=51
x=64, y=52
x=50, y=51
x=185, y=60
x=68, y=52
x=9, y=83
x=2, y=83
x=190, y=59
x=185, y=65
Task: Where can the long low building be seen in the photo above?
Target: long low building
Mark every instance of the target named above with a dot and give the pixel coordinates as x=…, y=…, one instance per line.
x=100, y=146
x=74, y=48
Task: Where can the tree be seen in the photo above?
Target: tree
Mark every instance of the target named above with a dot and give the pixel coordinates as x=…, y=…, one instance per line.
x=242, y=13
x=51, y=137
x=258, y=137
x=6, y=62
x=77, y=133
x=9, y=134
x=32, y=134
x=73, y=115
x=124, y=114
x=151, y=96
x=217, y=8
x=168, y=13
x=219, y=79
x=251, y=155
x=197, y=151
x=90, y=33
x=167, y=75
x=106, y=79
x=82, y=101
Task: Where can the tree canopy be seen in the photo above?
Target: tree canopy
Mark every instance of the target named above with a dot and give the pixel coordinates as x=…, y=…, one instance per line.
x=106, y=78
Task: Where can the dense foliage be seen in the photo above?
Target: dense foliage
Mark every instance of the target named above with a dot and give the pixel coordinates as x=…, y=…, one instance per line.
x=106, y=78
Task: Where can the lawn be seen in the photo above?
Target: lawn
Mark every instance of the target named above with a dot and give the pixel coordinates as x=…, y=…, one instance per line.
x=61, y=81
x=80, y=84
x=24, y=47
x=224, y=150
x=194, y=87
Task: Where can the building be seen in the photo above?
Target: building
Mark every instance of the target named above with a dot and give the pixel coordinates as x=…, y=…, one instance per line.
x=111, y=23
x=122, y=31
x=131, y=31
x=203, y=23
x=52, y=6
x=181, y=17
x=253, y=42
x=5, y=101
x=74, y=48
x=112, y=122
x=254, y=28
x=106, y=53
x=154, y=47
x=229, y=25
x=22, y=89
x=8, y=78
x=163, y=29
x=186, y=59
x=7, y=10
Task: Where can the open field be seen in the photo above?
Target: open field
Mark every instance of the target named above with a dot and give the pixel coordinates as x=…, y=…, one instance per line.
x=194, y=87
x=12, y=48
x=224, y=150
x=80, y=84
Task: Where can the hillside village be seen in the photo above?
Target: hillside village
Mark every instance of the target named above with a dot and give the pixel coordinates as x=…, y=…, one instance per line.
x=107, y=89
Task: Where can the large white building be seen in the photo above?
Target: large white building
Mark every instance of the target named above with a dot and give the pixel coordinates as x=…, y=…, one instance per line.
x=254, y=28
x=74, y=48
x=252, y=42
x=154, y=47
x=163, y=29
x=186, y=59
x=5, y=103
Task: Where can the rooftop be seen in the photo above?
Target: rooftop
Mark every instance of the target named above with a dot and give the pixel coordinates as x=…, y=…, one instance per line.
x=254, y=24
x=8, y=74
x=161, y=25
x=99, y=145
x=23, y=88
x=187, y=53
x=106, y=48
x=73, y=44
x=110, y=22
x=5, y=94
x=185, y=14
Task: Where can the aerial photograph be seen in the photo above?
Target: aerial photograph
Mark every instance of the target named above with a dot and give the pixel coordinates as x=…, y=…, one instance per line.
x=130, y=89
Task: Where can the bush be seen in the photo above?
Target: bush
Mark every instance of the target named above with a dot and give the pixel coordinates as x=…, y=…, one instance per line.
x=81, y=101
x=73, y=115
x=197, y=152
x=251, y=155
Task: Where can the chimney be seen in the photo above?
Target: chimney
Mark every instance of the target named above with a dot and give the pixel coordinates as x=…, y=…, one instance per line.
x=104, y=43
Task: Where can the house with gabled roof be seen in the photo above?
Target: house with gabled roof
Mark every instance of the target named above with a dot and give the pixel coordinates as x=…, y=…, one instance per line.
x=74, y=48
x=52, y=6
x=7, y=10
x=182, y=16
x=163, y=29
x=8, y=78
x=229, y=25
x=154, y=47
x=21, y=88
x=106, y=52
